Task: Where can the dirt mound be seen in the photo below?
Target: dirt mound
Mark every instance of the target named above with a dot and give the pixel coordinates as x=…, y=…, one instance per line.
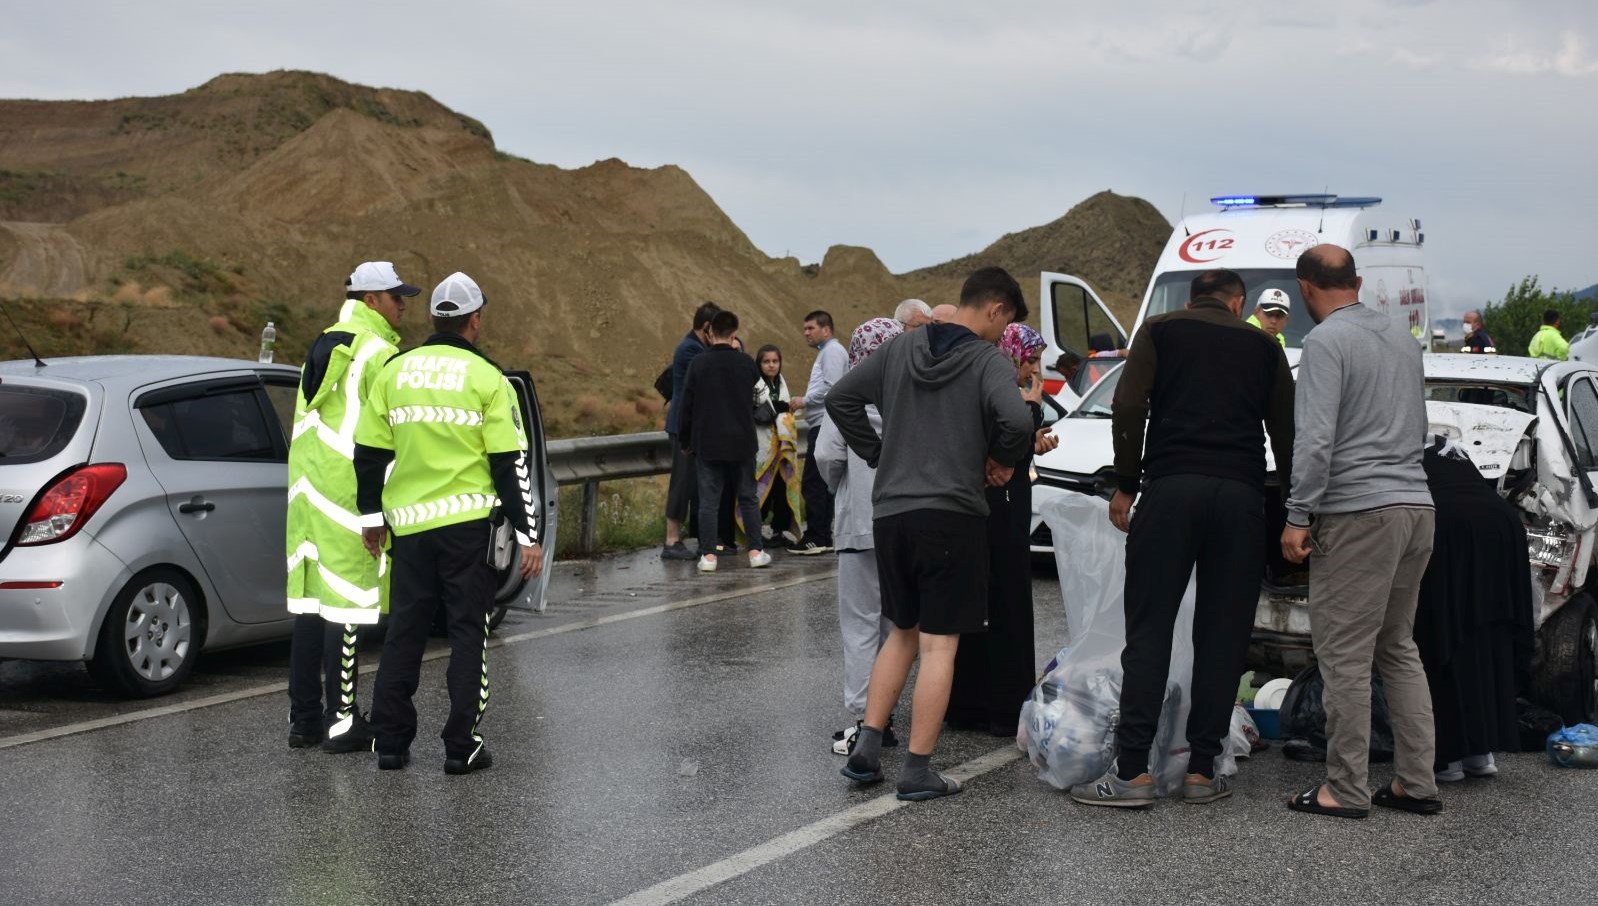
x=184, y=223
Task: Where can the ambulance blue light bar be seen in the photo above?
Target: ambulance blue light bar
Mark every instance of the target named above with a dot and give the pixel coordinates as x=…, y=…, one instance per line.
x=1271, y=201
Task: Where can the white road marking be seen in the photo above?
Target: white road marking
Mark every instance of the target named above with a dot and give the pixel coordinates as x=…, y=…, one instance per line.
x=223, y=698
x=690, y=883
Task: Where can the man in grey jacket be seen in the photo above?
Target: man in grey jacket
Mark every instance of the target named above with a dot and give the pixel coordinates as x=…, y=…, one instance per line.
x=953, y=423
x=1360, y=502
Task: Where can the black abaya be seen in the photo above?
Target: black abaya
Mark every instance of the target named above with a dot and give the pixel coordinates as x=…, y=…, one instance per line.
x=994, y=671
x=1474, y=622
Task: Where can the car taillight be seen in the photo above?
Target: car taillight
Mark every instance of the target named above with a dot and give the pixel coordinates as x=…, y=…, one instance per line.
x=68, y=504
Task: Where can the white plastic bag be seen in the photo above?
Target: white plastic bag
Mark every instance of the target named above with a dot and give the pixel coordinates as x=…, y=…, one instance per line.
x=1239, y=742
x=1068, y=725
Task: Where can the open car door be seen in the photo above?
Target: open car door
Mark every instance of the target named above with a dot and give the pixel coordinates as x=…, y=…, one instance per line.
x=514, y=591
x=1076, y=321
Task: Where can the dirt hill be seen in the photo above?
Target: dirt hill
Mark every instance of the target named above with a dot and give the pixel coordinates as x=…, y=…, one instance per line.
x=184, y=223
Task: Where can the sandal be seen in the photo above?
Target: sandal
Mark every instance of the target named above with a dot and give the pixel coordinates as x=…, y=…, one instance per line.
x=1387, y=798
x=948, y=786
x=860, y=772
x=1309, y=802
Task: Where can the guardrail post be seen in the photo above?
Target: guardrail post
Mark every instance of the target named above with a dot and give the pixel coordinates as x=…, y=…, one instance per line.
x=590, y=539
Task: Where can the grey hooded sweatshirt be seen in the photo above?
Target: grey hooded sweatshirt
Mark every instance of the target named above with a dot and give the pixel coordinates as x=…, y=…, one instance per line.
x=949, y=402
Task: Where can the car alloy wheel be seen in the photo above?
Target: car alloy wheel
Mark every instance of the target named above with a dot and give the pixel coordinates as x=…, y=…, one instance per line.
x=158, y=632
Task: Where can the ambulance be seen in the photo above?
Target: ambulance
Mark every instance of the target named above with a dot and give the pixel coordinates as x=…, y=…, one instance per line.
x=1260, y=237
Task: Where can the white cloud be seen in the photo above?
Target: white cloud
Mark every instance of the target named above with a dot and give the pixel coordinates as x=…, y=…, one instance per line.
x=1409, y=59
x=1572, y=59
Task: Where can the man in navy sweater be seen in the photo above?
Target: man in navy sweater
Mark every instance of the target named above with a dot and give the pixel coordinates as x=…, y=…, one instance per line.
x=716, y=425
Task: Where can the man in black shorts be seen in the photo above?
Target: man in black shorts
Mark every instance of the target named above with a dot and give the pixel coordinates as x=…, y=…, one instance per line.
x=955, y=423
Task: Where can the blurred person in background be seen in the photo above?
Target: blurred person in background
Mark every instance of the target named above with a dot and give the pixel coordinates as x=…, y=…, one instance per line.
x=912, y=313
x=776, y=449
x=682, y=489
x=831, y=363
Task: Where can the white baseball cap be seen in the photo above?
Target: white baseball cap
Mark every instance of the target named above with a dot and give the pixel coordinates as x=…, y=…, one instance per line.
x=1274, y=299
x=457, y=295
x=378, y=277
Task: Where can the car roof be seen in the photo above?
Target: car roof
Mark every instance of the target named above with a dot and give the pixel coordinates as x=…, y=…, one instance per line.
x=1495, y=369
x=130, y=370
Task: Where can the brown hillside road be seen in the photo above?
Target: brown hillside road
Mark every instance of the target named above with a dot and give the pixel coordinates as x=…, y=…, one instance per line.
x=47, y=260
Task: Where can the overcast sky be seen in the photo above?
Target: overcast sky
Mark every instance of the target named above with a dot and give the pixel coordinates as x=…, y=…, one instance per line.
x=926, y=130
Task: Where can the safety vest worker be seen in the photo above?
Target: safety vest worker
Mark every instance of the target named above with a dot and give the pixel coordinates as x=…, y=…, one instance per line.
x=1271, y=311
x=333, y=584
x=448, y=421
x=1548, y=342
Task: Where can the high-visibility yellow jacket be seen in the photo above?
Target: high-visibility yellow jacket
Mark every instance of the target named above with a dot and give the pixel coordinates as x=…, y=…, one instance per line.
x=1547, y=343
x=449, y=418
x=330, y=571
x=1255, y=320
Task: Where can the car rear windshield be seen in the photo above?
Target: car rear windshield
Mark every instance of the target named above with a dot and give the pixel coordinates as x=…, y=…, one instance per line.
x=1503, y=396
x=36, y=423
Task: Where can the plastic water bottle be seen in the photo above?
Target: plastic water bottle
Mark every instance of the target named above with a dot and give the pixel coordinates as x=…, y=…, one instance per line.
x=268, y=340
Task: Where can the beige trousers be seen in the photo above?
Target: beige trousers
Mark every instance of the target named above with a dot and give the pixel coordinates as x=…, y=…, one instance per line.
x=1364, y=584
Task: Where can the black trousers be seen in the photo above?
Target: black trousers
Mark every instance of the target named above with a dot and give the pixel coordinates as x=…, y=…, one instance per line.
x=714, y=477
x=777, y=507
x=443, y=567
x=1183, y=521
x=818, y=499
x=316, y=671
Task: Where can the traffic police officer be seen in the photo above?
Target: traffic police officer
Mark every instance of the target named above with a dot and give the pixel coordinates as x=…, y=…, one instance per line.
x=447, y=419
x=333, y=585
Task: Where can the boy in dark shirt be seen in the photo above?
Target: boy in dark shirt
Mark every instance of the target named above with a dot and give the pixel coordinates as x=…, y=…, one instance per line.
x=717, y=424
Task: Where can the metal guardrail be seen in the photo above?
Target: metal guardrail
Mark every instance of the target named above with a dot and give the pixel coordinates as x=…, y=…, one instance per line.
x=589, y=460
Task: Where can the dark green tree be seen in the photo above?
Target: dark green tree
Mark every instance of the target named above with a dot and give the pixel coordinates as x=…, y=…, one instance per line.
x=1512, y=322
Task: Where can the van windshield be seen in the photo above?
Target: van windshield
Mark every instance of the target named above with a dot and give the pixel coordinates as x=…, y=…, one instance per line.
x=36, y=423
x=1172, y=290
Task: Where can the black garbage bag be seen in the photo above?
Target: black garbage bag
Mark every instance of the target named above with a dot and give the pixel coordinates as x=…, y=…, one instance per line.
x=1304, y=719
x=1535, y=723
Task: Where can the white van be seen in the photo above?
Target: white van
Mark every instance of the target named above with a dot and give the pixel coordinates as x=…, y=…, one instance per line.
x=1260, y=237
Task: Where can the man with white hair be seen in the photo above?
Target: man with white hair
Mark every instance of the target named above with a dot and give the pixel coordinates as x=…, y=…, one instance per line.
x=912, y=313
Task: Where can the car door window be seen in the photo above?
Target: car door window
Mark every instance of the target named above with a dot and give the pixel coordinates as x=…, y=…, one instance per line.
x=1582, y=399
x=228, y=425
x=283, y=397
x=1080, y=326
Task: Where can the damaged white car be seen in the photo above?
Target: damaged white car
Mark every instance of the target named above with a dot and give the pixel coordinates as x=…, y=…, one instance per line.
x=1529, y=425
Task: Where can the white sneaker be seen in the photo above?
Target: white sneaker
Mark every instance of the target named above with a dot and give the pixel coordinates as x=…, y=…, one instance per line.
x=1480, y=765
x=758, y=559
x=843, y=739
x=707, y=563
x=1454, y=773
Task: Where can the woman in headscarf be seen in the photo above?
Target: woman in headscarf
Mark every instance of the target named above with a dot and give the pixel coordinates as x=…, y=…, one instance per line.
x=1473, y=624
x=994, y=671
x=776, y=447
x=859, y=597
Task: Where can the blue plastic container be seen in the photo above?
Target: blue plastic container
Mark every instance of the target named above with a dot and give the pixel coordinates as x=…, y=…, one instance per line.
x=1269, y=721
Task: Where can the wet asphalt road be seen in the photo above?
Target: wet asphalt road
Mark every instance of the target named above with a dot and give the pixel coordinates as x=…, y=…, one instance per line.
x=648, y=753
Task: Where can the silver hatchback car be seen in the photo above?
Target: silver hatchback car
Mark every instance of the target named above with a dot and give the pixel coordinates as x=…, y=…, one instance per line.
x=144, y=499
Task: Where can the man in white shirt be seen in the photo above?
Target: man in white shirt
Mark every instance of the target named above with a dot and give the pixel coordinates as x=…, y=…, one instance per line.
x=832, y=360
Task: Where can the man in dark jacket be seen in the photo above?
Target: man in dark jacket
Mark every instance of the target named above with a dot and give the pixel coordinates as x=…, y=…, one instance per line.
x=716, y=427
x=681, y=491
x=1203, y=382
x=954, y=422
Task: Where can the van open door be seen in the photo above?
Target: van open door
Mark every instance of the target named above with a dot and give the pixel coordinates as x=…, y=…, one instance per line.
x=1076, y=321
x=513, y=590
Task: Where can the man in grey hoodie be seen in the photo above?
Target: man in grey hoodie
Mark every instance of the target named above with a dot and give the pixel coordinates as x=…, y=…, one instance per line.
x=953, y=423
x=1360, y=502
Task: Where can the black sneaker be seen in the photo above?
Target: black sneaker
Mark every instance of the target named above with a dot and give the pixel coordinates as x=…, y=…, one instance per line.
x=479, y=760
x=393, y=761
x=808, y=549
x=678, y=551
x=303, y=736
x=357, y=737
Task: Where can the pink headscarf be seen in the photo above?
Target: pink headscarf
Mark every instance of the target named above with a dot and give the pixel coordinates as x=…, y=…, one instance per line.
x=868, y=336
x=1021, y=343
